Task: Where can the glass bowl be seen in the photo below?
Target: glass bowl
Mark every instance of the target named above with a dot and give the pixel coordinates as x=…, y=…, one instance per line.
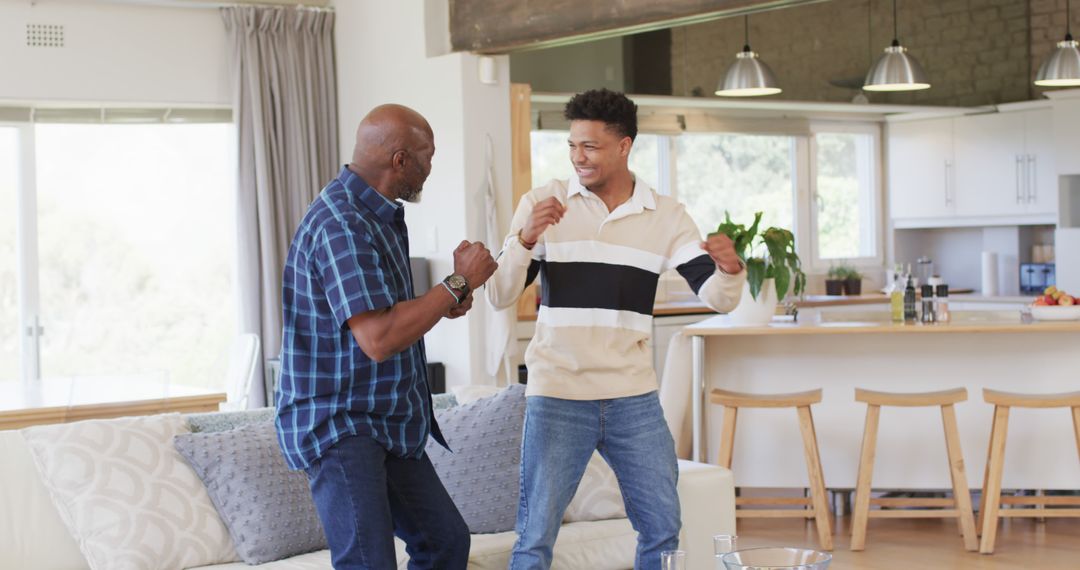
x=775, y=558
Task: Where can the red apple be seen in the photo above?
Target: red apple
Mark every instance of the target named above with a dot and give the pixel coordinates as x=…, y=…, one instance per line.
x=1066, y=300
x=1049, y=300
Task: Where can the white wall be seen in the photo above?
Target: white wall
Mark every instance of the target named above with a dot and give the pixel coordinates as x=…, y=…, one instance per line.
x=381, y=55
x=114, y=53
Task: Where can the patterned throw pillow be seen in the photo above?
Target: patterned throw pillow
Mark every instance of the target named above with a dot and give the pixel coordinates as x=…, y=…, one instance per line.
x=267, y=508
x=598, y=497
x=482, y=473
x=126, y=495
x=224, y=421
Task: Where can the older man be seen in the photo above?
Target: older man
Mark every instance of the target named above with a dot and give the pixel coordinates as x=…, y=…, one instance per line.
x=354, y=410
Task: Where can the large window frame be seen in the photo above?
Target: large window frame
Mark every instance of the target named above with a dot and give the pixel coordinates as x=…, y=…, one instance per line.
x=804, y=180
x=24, y=121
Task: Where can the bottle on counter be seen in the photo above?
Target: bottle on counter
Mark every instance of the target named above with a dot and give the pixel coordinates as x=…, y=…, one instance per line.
x=928, y=304
x=941, y=304
x=896, y=299
x=910, y=315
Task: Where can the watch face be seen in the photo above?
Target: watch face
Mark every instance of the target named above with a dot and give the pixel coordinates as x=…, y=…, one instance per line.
x=456, y=281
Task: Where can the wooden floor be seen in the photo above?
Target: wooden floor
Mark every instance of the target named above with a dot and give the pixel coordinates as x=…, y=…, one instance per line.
x=905, y=544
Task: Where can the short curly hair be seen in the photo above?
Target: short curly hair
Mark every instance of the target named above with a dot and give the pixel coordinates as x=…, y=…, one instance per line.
x=614, y=109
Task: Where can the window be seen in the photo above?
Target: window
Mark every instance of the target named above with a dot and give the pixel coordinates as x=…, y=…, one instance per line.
x=136, y=233
x=845, y=196
x=551, y=158
x=820, y=180
x=740, y=174
x=9, y=309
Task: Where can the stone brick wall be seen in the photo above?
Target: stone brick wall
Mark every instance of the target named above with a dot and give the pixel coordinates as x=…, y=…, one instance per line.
x=976, y=52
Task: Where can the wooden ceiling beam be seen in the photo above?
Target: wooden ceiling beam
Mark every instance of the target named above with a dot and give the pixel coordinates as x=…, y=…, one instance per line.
x=503, y=26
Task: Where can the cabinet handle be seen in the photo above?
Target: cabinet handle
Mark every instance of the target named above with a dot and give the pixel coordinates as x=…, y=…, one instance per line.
x=1019, y=177
x=948, y=169
x=1033, y=188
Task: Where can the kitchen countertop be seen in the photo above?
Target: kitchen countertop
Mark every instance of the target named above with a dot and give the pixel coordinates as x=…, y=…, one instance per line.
x=696, y=307
x=720, y=325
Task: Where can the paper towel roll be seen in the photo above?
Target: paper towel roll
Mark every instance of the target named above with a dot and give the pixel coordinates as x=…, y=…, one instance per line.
x=989, y=274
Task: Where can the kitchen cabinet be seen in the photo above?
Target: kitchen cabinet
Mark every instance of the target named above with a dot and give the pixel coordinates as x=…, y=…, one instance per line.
x=974, y=170
x=920, y=166
x=1041, y=156
x=990, y=164
x=1066, y=128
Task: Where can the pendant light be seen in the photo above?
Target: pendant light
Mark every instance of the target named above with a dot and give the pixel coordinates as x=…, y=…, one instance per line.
x=896, y=70
x=1062, y=68
x=748, y=76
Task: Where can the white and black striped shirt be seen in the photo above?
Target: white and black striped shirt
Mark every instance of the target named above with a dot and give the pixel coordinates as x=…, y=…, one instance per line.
x=599, y=272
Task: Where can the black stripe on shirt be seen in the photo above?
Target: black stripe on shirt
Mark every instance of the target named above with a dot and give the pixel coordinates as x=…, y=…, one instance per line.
x=697, y=270
x=589, y=285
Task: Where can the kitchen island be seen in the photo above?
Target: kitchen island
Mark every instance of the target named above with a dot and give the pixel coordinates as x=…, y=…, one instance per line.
x=839, y=351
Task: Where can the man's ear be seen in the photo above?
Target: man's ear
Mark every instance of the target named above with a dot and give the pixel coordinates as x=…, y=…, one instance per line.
x=397, y=160
x=624, y=146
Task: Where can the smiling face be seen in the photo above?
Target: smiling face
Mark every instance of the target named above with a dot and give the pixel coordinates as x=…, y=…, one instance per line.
x=598, y=153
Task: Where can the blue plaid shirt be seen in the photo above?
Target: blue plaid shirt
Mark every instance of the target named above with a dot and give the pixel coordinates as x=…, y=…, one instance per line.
x=350, y=255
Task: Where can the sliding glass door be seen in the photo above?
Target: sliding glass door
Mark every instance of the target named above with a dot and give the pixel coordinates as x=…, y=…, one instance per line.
x=9, y=294
x=117, y=250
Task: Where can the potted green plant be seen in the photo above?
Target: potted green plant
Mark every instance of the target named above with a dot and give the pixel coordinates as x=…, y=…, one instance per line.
x=834, y=280
x=853, y=282
x=843, y=279
x=772, y=268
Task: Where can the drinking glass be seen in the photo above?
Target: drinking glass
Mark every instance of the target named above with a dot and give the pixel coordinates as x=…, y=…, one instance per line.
x=673, y=560
x=722, y=544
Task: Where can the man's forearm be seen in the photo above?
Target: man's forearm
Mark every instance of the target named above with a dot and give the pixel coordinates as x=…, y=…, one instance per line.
x=389, y=331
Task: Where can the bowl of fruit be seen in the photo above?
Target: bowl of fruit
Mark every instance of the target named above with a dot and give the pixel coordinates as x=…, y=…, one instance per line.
x=1055, y=305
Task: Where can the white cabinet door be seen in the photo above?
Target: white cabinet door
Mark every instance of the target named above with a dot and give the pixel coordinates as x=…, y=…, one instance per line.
x=1041, y=165
x=990, y=165
x=920, y=169
x=1067, y=135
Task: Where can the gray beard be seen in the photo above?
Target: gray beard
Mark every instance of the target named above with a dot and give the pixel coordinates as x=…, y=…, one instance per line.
x=413, y=196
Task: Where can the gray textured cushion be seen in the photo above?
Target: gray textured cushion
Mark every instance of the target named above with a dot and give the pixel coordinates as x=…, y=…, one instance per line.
x=445, y=401
x=224, y=421
x=482, y=473
x=267, y=508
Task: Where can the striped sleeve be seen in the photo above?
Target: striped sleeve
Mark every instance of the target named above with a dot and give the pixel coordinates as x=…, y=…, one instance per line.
x=719, y=291
x=518, y=266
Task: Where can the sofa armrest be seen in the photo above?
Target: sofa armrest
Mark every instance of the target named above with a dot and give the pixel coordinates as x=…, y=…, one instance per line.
x=707, y=497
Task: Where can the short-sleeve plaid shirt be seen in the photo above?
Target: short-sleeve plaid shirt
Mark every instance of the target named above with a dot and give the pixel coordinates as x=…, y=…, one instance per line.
x=350, y=255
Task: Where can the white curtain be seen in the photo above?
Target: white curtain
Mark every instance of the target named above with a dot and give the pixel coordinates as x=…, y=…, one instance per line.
x=285, y=108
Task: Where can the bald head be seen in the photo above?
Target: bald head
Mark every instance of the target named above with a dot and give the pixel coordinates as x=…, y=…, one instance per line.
x=394, y=146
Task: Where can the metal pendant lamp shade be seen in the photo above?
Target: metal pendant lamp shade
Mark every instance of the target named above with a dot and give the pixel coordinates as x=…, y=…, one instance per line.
x=748, y=76
x=1062, y=68
x=896, y=70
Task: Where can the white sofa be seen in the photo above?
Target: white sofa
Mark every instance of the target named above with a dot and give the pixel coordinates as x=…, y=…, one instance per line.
x=32, y=536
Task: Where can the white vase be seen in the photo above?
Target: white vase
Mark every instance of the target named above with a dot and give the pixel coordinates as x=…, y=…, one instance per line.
x=756, y=312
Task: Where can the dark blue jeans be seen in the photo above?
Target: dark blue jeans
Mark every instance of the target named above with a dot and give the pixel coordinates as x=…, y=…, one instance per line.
x=365, y=495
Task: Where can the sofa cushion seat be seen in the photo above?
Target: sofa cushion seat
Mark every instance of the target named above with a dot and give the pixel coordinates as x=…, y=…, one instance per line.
x=599, y=545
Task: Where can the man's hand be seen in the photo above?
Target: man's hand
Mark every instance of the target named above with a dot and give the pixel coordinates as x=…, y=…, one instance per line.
x=547, y=212
x=473, y=261
x=460, y=309
x=722, y=251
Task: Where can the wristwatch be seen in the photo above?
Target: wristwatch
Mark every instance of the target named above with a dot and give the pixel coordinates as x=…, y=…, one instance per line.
x=457, y=282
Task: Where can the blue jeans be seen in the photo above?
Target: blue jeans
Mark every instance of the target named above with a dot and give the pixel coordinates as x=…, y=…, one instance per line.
x=560, y=437
x=365, y=495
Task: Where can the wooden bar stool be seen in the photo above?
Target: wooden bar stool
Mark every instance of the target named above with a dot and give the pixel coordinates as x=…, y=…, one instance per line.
x=817, y=505
x=989, y=509
x=960, y=503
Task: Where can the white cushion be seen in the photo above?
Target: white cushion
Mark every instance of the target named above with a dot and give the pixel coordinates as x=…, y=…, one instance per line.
x=127, y=496
x=31, y=532
x=598, y=497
